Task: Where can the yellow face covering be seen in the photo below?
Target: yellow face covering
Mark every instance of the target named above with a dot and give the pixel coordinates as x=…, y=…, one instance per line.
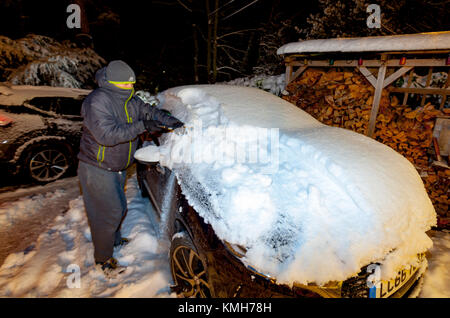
x=115, y=83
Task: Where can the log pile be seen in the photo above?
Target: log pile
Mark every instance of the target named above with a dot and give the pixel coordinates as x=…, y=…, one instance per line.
x=344, y=99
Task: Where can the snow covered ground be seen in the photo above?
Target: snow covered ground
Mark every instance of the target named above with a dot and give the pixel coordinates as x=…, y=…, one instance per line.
x=48, y=267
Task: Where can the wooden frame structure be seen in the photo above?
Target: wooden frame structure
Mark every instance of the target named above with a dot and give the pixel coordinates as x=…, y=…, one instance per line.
x=381, y=71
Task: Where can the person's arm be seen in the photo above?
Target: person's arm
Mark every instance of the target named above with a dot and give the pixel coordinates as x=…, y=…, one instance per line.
x=106, y=129
x=149, y=112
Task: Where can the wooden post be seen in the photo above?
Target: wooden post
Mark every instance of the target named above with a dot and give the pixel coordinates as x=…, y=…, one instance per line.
x=444, y=97
x=288, y=73
x=405, y=97
x=377, y=96
x=430, y=73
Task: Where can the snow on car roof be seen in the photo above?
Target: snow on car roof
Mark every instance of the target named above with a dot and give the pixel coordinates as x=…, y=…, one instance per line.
x=254, y=107
x=390, y=43
x=332, y=194
x=16, y=95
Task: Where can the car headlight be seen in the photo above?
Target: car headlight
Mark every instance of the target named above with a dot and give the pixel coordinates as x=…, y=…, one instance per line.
x=331, y=289
x=239, y=252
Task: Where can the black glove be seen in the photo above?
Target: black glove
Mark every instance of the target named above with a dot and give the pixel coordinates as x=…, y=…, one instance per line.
x=167, y=120
x=153, y=126
x=174, y=123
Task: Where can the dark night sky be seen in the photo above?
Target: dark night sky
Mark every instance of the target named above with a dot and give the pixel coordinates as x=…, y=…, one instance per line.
x=155, y=37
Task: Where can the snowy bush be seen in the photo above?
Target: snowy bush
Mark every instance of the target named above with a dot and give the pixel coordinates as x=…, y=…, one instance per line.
x=41, y=60
x=148, y=98
x=273, y=84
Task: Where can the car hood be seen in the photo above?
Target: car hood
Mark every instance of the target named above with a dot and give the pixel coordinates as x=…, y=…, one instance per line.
x=328, y=202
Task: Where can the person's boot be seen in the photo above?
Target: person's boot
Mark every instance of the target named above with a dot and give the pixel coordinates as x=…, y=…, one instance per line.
x=111, y=268
x=123, y=241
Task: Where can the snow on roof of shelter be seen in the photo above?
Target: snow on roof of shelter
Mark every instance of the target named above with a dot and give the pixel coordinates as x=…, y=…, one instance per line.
x=17, y=94
x=391, y=43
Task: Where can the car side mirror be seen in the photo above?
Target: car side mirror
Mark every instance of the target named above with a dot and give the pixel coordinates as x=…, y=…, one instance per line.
x=148, y=155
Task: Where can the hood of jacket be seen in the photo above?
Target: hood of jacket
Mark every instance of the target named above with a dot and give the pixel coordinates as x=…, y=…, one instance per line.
x=100, y=78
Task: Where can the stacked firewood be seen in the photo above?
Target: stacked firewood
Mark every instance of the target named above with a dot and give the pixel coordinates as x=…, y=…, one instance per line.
x=437, y=183
x=344, y=99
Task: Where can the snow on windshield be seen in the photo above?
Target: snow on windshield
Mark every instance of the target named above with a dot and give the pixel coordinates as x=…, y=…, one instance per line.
x=311, y=203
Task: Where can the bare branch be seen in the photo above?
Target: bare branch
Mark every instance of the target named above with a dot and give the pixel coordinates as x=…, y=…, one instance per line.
x=241, y=9
x=228, y=68
x=236, y=32
x=231, y=48
x=184, y=6
x=220, y=8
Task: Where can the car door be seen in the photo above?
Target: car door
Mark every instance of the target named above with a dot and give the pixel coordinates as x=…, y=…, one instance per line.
x=160, y=183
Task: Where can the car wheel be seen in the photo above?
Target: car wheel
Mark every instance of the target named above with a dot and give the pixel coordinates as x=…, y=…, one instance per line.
x=189, y=271
x=46, y=162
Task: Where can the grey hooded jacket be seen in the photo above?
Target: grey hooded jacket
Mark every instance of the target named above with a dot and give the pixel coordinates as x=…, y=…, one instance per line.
x=112, y=120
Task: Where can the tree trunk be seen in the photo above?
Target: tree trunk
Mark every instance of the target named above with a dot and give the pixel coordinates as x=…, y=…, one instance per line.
x=196, y=52
x=208, y=43
x=214, y=41
x=84, y=20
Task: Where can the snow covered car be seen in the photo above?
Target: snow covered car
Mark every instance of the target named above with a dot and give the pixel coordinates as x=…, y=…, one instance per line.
x=40, y=130
x=259, y=199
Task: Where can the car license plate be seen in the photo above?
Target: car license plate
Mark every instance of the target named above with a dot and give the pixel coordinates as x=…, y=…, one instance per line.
x=386, y=288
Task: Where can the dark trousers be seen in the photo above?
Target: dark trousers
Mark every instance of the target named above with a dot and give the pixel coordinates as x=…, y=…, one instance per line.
x=106, y=207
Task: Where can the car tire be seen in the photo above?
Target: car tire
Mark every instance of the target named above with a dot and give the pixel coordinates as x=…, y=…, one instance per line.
x=188, y=268
x=46, y=162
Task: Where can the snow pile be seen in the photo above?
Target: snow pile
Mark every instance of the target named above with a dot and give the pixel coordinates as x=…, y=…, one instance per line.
x=390, y=43
x=47, y=268
x=437, y=278
x=327, y=202
x=270, y=83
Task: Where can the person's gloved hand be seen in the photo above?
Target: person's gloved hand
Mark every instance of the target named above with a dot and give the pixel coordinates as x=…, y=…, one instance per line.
x=153, y=126
x=174, y=123
x=167, y=120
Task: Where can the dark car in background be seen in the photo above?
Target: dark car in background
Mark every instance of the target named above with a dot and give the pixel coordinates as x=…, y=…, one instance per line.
x=40, y=130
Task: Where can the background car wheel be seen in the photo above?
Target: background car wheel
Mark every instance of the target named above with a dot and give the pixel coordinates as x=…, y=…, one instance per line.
x=188, y=268
x=47, y=162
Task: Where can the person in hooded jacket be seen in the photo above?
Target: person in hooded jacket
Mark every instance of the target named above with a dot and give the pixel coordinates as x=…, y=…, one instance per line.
x=113, y=118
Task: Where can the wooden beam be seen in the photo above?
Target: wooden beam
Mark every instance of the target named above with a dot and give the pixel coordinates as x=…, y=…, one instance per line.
x=289, y=68
x=368, y=75
x=444, y=97
x=297, y=73
x=376, y=99
x=405, y=97
x=373, y=63
x=396, y=75
x=430, y=74
x=426, y=91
